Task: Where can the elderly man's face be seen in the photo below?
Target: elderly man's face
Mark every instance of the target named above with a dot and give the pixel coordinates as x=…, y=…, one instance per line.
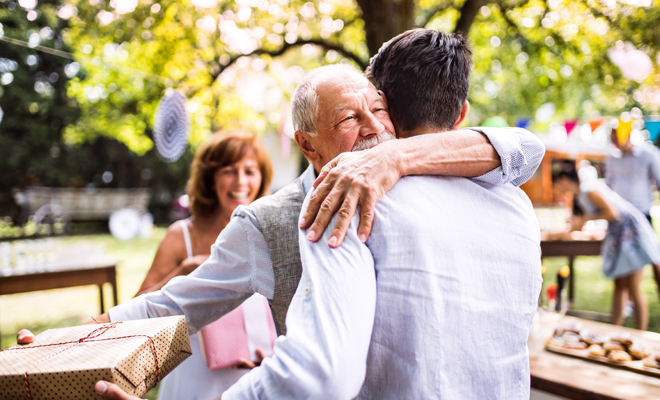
x=352, y=116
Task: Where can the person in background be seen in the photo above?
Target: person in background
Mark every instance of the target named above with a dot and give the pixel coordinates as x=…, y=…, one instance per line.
x=632, y=171
x=229, y=169
x=630, y=242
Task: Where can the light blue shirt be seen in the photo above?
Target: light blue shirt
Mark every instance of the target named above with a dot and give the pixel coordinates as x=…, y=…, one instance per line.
x=458, y=275
x=631, y=176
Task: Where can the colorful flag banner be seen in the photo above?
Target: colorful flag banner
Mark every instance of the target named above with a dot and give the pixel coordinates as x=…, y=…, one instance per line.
x=595, y=123
x=569, y=124
x=653, y=127
x=523, y=122
x=623, y=130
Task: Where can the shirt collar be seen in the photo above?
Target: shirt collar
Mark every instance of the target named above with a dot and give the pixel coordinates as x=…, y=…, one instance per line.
x=308, y=177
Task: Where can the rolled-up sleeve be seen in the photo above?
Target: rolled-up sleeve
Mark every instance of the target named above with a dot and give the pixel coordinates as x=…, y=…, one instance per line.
x=239, y=266
x=329, y=324
x=520, y=151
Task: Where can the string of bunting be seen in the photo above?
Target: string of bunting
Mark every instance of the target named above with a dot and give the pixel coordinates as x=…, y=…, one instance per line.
x=623, y=129
x=91, y=337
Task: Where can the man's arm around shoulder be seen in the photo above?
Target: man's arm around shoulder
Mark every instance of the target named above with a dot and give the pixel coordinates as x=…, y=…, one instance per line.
x=329, y=324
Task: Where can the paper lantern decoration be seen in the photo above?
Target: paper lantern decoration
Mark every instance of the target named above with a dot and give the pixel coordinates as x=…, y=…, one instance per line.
x=623, y=130
x=569, y=125
x=171, y=126
x=523, y=122
x=653, y=127
x=634, y=64
x=495, y=122
x=595, y=123
x=545, y=113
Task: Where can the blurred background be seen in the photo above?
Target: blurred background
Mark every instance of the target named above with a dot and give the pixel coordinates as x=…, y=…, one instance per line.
x=81, y=82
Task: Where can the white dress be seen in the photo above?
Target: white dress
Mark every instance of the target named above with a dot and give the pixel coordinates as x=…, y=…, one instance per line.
x=192, y=379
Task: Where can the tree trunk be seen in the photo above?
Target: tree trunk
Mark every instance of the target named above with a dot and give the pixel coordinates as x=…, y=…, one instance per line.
x=379, y=22
x=468, y=13
x=406, y=15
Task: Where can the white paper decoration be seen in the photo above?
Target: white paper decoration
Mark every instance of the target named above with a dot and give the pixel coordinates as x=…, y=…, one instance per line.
x=634, y=64
x=171, y=126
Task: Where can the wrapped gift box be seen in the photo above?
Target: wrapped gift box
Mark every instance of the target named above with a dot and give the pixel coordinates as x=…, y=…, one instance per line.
x=66, y=363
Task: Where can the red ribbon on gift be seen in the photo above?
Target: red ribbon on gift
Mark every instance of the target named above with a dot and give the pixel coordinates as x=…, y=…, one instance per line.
x=91, y=337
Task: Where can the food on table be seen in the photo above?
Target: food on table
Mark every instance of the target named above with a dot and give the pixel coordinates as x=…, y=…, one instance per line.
x=617, y=347
x=589, y=338
x=622, y=337
x=574, y=327
x=571, y=337
x=597, y=350
x=556, y=341
x=613, y=346
x=651, y=362
x=619, y=356
x=637, y=351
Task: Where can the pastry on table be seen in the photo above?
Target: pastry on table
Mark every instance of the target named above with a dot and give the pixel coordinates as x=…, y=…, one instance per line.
x=650, y=362
x=637, y=351
x=619, y=356
x=613, y=346
x=624, y=338
x=590, y=338
x=597, y=350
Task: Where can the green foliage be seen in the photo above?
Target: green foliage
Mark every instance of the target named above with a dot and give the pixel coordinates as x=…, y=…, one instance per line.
x=32, y=96
x=239, y=61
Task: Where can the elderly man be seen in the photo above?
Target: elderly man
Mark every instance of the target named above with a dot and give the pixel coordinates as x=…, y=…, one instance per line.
x=258, y=251
x=455, y=263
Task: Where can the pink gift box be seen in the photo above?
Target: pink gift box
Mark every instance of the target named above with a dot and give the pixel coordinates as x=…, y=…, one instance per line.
x=237, y=335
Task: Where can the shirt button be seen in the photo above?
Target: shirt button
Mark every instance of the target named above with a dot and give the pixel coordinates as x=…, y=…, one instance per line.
x=307, y=290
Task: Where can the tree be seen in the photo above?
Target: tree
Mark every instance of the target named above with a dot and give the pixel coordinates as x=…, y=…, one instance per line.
x=239, y=60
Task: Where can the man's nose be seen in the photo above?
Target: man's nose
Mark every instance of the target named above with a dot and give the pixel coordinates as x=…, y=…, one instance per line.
x=371, y=125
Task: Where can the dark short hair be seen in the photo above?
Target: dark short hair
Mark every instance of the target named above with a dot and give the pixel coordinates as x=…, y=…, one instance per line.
x=220, y=150
x=425, y=75
x=568, y=173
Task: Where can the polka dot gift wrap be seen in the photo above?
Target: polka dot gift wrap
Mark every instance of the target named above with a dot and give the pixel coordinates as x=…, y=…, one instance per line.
x=66, y=363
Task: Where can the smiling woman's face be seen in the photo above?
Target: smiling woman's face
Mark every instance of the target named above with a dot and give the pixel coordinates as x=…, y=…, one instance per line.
x=238, y=183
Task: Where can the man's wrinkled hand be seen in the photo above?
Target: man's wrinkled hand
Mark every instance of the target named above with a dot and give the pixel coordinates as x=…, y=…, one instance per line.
x=110, y=391
x=351, y=179
x=24, y=337
x=249, y=364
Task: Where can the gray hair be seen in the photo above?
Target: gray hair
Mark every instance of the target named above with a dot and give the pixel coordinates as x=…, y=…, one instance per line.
x=305, y=101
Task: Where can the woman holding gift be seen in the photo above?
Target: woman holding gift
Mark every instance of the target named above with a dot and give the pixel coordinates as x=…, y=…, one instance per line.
x=228, y=170
x=630, y=243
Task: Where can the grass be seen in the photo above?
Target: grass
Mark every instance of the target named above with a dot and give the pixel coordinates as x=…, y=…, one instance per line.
x=59, y=308
x=593, y=291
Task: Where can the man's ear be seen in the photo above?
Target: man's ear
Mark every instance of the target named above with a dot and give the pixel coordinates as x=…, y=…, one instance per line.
x=464, y=112
x=306, y=146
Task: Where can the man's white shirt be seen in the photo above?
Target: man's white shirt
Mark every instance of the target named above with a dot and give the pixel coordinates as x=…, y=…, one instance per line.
x=456, y=266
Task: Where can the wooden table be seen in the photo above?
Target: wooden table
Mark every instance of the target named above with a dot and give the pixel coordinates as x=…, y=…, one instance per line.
x=62, y=275
x=570, y=249
x=579, y=379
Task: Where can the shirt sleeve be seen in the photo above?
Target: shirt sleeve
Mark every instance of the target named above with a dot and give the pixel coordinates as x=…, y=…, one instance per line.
x=520, y=151
x=239, y=266
x=329, y=324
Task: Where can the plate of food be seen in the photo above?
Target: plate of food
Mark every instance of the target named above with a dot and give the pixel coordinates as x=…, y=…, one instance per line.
x=618, y=349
